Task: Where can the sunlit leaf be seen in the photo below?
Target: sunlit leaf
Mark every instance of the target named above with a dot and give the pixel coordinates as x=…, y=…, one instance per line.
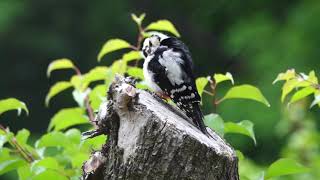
x=137, y=19
x=244, y=127
x=288, y=87
x=201, y=83
x=284, y=167
x=289, y=74
x=119, y=66
x=52, y=139
x=96, y=74
x=56, y=89
x=163, y=25
x=78, y=83
x=239, y=155
x=80, y=96
x=12, y=104
x=22, y=136
x=97, y=95
x=135, y=72
x=246, y=92
x=312, y=77
x=301, y=94
x=24, y=172
x=215, y=122
x=316, y=100
x=78, y=159
x=223, y=77
x=68, y=117
x=112, y=45
x=60, y=64
x=3, y=139
x=132, y=55
x=11, y=164
x=48, y=163
x=93, y=143
x=49, y=174
x=74, y=135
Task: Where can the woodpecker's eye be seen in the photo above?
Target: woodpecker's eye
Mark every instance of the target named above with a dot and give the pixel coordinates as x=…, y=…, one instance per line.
x=150, y=44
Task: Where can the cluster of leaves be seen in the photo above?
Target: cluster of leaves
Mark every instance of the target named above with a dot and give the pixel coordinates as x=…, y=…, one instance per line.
x=60, y=152
x=55, y=155
x=283, y=166
x=304, y=85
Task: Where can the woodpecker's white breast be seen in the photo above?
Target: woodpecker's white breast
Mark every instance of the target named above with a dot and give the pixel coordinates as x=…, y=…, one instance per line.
x=148, y=75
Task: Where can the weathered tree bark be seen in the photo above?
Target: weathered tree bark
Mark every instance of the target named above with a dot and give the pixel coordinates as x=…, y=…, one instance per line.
x=150, y=139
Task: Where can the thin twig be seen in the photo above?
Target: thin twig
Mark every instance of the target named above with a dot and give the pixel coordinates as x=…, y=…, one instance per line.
x=205, y=91
x=14, y=143
x=213, y=86
x=139, y=41
x=86, y=99
x=89, y=109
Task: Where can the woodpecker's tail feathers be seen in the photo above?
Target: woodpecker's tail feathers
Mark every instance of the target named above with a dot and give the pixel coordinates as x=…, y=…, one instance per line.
x=197, y=117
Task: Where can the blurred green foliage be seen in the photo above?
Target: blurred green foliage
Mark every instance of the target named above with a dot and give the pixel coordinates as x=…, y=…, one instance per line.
x=254, y=40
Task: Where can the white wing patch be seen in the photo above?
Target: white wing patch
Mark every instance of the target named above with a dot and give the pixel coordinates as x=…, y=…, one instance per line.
x=172, y=62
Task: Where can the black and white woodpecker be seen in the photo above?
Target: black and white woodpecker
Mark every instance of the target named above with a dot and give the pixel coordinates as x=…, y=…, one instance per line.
x=168, y=71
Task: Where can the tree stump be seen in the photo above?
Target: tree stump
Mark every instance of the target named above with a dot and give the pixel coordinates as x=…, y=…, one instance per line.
x=151, y=139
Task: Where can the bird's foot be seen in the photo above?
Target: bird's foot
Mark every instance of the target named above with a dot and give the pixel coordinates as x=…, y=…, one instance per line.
x=161, y=96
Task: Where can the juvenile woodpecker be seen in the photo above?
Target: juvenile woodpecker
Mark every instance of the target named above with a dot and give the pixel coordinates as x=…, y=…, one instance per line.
x=168, y=70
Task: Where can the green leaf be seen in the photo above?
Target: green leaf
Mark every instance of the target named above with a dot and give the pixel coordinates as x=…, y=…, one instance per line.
x=223, y=77
x=3, y=139
x=60, y=64
x=48, y=163
x=77, y=82
x=24, y=172
x=74, y=135
x=302, y=94
x=132, y=55
x=289, y=74
x=22, y=136
x=78, y=159
x=312, y=77
x=201, y=83
x=135, y=72
x=316, y=100
x=12, y=104
x=97, y=95
x=246, y=92
x=285, y=166
x=49, y=175
x=11, y=164
x=215, y=122
x=68, y=117
x=52, y=139
x=244, y=127
x=137, y=19
x=93, y=143
x=80, y=96
x=288, y=87
x=56, y=89
x=112, y=45
x=240, y=155
x=96, y=74
x=119, y=66
x=163, y=25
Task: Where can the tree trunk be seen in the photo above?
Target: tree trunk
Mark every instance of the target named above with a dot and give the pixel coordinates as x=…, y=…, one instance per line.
x=150, y=139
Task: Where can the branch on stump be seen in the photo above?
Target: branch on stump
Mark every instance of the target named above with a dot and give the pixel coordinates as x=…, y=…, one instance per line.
x=150, y=139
